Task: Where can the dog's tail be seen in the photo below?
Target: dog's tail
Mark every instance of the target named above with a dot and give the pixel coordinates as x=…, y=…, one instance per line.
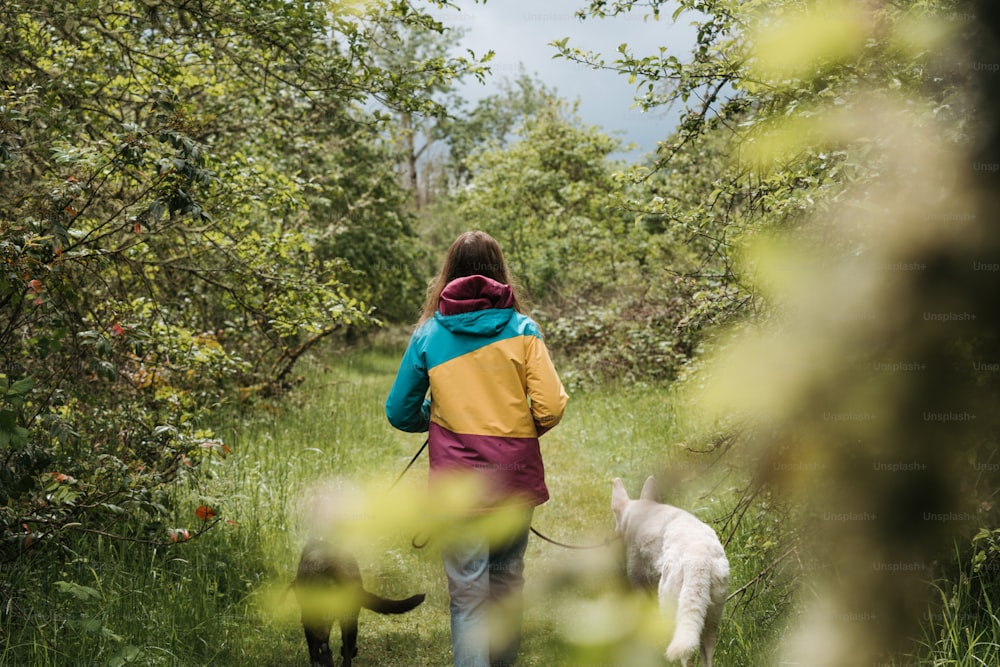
x=692, y=606
x=381, y=605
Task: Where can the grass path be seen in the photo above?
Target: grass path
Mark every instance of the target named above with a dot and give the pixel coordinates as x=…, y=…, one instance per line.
x=217, y=600
x=335, y=427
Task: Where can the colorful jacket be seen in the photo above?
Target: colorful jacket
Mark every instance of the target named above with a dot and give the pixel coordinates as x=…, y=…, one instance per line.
x=493, y=388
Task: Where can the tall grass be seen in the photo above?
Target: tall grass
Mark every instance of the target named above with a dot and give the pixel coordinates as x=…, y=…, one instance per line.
x=963, y=628
x=219, y=600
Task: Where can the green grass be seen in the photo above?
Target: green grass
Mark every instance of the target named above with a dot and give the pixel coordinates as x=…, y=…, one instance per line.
x=963, y=628
x=218, y=599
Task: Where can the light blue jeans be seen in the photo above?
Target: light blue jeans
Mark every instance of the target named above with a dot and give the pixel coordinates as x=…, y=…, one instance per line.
x=485, y=582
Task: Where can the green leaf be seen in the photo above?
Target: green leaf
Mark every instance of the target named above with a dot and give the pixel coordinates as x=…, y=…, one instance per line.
x=8, y=421
x=114, y=509
x=76, y=590
x=19, y=438
x=125, y=655
x=21, y=387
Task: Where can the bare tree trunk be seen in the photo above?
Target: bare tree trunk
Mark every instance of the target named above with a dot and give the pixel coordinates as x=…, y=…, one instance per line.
x=411, y=158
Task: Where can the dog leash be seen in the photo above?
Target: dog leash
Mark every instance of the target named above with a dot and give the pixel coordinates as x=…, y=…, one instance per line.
x=420, y=545
x=412, y=461
x=414, y=542
x=607, y=542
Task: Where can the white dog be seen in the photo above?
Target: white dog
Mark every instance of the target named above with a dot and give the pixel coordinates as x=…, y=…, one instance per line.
x=678, y=555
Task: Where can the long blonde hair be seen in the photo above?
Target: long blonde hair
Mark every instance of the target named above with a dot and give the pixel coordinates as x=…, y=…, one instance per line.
x=472, y=253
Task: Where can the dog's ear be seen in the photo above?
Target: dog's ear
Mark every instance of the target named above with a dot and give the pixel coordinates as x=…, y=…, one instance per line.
x=619, y=496
x=649, y=490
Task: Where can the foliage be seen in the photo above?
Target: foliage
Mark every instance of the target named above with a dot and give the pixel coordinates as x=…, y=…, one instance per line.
x=492, y=121
x=867, y=362
x=827, y=216
x=182, y=184
x=622, y=293
x=633, y=266
x=961, y=626
x=546, y=200
x=547, y=197
x=746, y=158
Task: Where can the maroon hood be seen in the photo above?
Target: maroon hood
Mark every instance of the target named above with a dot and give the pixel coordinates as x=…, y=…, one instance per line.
x=472, y=293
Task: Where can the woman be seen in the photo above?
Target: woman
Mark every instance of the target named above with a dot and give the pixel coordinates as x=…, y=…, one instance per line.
x=495, y=391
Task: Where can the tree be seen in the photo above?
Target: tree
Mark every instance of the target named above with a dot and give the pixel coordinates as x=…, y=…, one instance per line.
x=593, y=268
x=492, y=122
x=165, y=166
x=545, y=198
x=399, y=49
x=729, y=173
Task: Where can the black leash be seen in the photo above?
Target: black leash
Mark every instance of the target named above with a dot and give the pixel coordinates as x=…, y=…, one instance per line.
x=421, y=545
x=412, y=461
x=605, y=543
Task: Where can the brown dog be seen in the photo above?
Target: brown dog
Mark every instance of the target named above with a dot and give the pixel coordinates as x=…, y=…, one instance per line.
x=328, y=588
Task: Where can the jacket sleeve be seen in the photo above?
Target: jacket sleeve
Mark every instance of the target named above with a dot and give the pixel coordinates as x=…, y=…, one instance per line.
x=548, y=398
x=406, y=407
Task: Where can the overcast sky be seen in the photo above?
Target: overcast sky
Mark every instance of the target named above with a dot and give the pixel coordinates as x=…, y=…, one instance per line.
x=519, y=31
